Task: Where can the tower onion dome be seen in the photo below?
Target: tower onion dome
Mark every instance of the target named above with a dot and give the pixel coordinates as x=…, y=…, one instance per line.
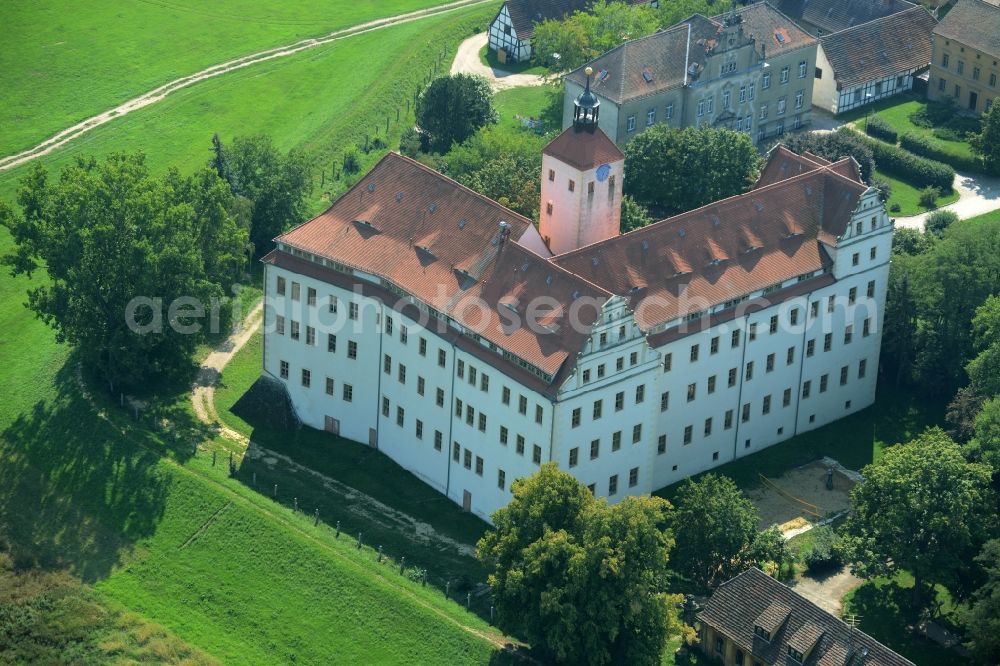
x=586, y=106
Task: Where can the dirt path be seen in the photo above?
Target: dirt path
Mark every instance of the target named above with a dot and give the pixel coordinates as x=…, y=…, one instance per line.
x=157, y=94
x=467, y=61
x=827, y=591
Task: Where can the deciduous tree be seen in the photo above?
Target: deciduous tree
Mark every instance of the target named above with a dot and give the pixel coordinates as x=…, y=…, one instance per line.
x=987, y=142
x=634, y=216
x=453, y=107
x=107, y=233
x=921, y=508
x=274, y=184
x=983, y=618
x=670, y=170
x=583, y=582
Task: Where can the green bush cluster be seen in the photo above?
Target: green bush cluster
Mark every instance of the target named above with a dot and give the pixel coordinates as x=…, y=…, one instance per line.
x=903, y=164
x=825, y=551
x=881, y=129
x=933, y=150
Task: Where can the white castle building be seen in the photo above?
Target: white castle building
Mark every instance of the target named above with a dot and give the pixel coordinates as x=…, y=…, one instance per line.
x=432, y=323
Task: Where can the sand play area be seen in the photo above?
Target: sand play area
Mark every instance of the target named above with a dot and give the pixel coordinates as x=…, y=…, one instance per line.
x=800, y=495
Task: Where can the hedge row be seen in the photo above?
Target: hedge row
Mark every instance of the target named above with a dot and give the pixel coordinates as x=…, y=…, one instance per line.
x=880, y=129
x=916, y=170
x=931, y=149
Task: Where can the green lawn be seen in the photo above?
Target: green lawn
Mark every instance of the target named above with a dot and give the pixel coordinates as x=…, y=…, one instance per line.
x=987, y=217
x=908, y=197
x=303, y=100
x=530, y=102
x=63, y=61
x=885, y=610
x=489, y=58
x=854, y=441
x=897, y=115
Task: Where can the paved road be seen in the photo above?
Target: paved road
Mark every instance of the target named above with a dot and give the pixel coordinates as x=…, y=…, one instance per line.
x=467, y=61
x=978, y=194
x=157, y=94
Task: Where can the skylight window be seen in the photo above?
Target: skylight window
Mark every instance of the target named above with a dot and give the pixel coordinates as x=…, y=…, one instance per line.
x=461, y=223
x=433, y=207
x=371, y=187
x=647, y=74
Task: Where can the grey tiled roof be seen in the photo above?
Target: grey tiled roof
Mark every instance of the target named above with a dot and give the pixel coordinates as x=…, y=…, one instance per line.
x=834, y=15
x=879, y=48
x=654, y=63
x=737, y=605
x=974, y=23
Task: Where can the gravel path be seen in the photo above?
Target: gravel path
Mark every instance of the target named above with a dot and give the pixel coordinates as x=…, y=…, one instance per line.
x=467, y=61
x=827, y=591
x=977, y=195
x=157, y=94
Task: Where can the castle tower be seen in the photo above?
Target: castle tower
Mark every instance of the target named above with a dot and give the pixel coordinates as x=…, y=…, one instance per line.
x=582, y=179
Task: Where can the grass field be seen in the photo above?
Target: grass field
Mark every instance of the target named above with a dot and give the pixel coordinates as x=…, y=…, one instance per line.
x=897, y=115
x=63, y=61
x=540, y=102
x=305, y=100
x=908, y=197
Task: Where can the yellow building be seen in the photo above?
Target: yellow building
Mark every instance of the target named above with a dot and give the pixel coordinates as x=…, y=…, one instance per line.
x=966, y=53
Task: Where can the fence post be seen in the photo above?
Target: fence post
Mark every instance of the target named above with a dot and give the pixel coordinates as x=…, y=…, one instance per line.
x=380, y=554
x=447, y=587
x=359, y=540
x=468, y=600
x=213, y=458
x=402, y=564
x=296, y=504
x=316, y=522
x=274, y=493
x=338, y=529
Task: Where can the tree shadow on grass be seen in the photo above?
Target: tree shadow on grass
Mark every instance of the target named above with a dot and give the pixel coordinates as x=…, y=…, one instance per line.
x=887, y=613
x=76, y=491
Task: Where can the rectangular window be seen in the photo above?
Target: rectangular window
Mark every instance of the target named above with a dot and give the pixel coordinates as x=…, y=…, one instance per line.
x=348, y=393
x=295, y=330
x=438, y=440
x=769, y=365
x=765, y=82
x=331, y=342
x=799, y=97
x=482, y=422
x=595, y=449
x=848, y=334
x=827, y=342
x=399, y=416
x=664, y=401
x=329, y=386
x=728, y=420
x=575, y=418
x=692, y=391
x=688, y=434
x=961, y=67
x=539, y=413
x=824, y=380
x=814, y=309
x=806, y=387
x=388, y=325
x=752, y=333
x=420, y=385
x=422, y=346
x=439, y=399
x=505, y=395
x=773, y=328
x=613, y=485
x=734, y=339
x=767, y=405
x=708, y=427
x=385, y=406
x=571, y=184
x=619, y=401
x=467, y=459
x=668, y=361
x=871, y=289
x=746, y=413
x=333, y=305
x=522, y=405
x=790, y=356
x=944, y=60
x=519, y=445
x=640, y=393
x=479, y=466
x=670, y=111
x=352, y=311
x=843, y=375
x=713, y=347
x=470, y=414
x=598, y=408
x=504, y=434
x=650, y=117
x=630, y=123
x=461, y=369
x=442, y=358
x=711, y=385
x=633, y=477
x=786, y=397
x=661, y=445
x=749, y=371
x=862, y=366
x=402, y=374
x=866, y=328
x=637, y=433
x=387, y=364
x=501, y=479
x=472, y=375
x=279, y=325
x=574, y=456
x=616, y=440
x=280, y=287
x=784, y=74
x=802, y=69
x=732, y=377
x=781, y=106
x=458, y=407
x=694, y=353
x=295, y=291
x=855, y=259
x=404, y=335
x=810, y=348
x=306, y=377
x=872, y=253
x=420, y=429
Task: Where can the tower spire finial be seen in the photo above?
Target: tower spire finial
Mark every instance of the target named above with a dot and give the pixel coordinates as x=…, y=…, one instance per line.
x=586, y=106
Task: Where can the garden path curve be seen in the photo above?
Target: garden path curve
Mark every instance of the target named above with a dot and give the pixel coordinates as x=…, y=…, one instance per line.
x=467, y=61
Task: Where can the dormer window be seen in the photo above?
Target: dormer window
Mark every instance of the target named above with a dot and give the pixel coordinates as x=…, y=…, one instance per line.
x=762, y=633
x=795, y=655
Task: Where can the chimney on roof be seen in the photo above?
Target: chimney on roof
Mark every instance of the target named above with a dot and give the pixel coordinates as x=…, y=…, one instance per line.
x=504, y=234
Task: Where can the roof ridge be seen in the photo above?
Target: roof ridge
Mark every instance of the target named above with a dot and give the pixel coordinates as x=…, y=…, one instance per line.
x=886, y=18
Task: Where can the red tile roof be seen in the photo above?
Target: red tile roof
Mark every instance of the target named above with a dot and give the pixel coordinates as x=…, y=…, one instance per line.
x=583, y=149
x=439, y=242
x=705, y=257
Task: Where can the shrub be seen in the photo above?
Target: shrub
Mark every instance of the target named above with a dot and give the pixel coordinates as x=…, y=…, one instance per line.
x=920, y=118
x=916, y=170
x=931, y=149
x=938, y=221
x=947, y=134
x=929, y=196
x=352, y=160
x=883, y=187
x=412, y=142
x=833, y=146
x=877, y=127
x=825, y=552
x=895, y=208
